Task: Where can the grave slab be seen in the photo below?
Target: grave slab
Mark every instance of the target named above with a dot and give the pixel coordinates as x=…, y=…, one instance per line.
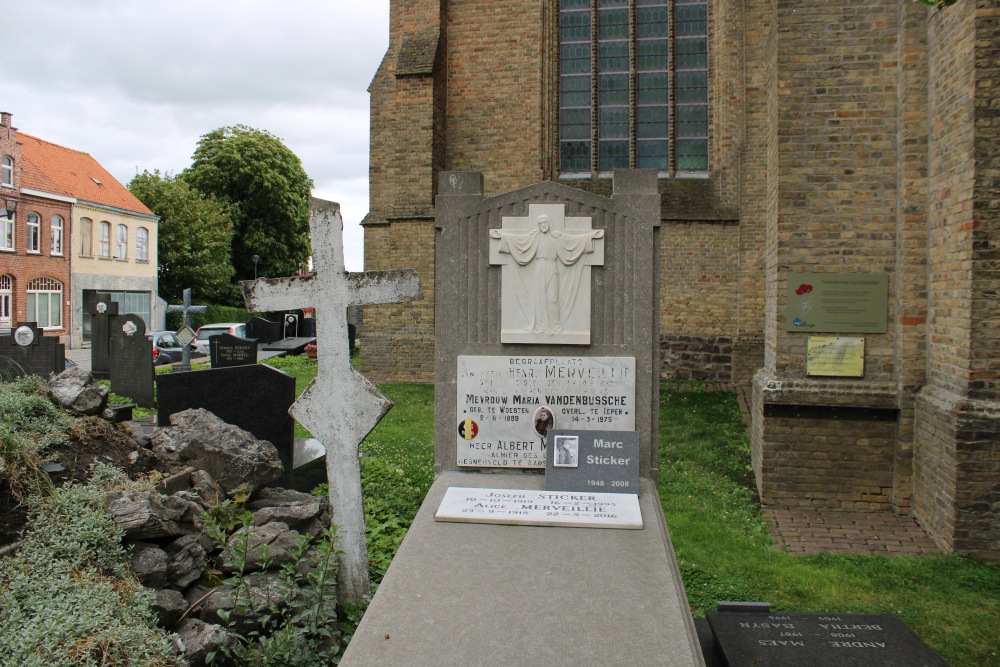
x=484, y=594
x=792, y=639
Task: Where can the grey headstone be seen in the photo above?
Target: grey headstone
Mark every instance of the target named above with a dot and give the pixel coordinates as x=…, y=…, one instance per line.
x=604, y=461
x=131, y=360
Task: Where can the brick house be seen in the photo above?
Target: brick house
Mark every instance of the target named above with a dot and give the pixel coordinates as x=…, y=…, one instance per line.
x=799, y=136
x=34, y=242
x=76, y=232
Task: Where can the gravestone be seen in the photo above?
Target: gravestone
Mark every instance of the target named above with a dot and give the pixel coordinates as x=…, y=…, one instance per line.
x=131, y=359
x=340, y=407
x=100, y=335
x=27, y=352
x=788, y=639
x=255, y=397
x=227, y=350
x=265, y=331
x=546, y=325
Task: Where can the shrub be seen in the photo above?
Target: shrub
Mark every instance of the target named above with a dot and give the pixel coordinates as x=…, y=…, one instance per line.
x=29, y=422
x=67, y=596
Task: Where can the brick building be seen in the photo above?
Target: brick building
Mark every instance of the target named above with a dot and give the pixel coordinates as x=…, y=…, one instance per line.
x=794, y=136
x=76, y=231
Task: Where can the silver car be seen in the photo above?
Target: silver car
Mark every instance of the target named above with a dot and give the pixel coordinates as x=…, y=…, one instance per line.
x=205, y=332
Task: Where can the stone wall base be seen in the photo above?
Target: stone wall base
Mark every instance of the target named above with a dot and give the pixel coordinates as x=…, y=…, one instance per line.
x=710, y=358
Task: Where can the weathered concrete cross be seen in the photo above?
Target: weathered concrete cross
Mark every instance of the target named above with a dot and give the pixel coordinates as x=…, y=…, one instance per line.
x=187, y=309
x=340, y=407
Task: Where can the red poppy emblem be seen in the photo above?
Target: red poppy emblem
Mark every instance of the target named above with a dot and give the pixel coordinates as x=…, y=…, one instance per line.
x=804, y=289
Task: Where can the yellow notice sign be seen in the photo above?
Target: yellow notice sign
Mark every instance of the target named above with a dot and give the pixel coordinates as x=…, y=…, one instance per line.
x=835, y=356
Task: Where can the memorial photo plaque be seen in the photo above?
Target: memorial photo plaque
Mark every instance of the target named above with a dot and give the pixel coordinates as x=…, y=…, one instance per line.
x=606, y=461
x=507, y=404
x=540, y=508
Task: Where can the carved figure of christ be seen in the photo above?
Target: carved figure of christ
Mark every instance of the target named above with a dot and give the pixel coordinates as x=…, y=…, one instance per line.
x=341, y=406
x=545, y=281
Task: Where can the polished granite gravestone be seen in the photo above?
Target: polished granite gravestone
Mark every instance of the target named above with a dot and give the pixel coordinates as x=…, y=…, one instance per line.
x=27, y=352
x=792, y=639
x=601, y=461
x=227, y=350
x=100, y=335
x=256, y=398
x=265, y=331
x=131, y=359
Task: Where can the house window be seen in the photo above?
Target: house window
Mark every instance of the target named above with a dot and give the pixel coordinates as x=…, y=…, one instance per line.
x=45, y=302
x=6, y=231
x=34, y=233
x=57, y=235
x=142, y=244
x=6, y=300
x=7, y=171
x=633, y=85
x=122, y=247
x=86, y=233
x=105, y=239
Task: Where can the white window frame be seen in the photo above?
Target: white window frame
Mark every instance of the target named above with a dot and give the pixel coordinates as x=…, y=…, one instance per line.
x=105, y=247
x=7, y=233
x=33, y=242
x=7, y=171
x=45, y=290
x=142, y=245
x=121, y=248
x=56, y=233
x=6, y=300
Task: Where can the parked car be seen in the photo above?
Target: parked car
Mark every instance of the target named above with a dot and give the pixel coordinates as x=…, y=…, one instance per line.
x=167, y=349
x=206, y=331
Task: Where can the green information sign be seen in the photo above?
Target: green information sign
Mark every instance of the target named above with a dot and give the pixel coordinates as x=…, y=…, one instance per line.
x=837, y=302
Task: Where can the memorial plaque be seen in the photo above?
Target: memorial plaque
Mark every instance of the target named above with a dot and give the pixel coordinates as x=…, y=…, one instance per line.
x=778, y=639
x=540, y=508
x=835, y=356
x=507, y=404
x=837, y=302
x=228, y=350
x=131, y=359
x=606, y=461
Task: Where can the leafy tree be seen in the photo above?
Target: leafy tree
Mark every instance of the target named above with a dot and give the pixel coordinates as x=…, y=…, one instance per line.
x=194, y=238
x=269, y=194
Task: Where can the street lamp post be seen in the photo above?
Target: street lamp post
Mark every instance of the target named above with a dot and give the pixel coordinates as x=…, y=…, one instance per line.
x=255, y=258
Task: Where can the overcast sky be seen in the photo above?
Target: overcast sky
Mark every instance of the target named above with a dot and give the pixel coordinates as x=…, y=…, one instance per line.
x=135, y=83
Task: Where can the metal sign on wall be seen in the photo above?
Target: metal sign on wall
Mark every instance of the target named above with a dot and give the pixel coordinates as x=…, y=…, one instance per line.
x=837, y=302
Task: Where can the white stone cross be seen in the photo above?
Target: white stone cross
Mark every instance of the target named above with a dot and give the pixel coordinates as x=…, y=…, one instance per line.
x=545, y=275
x=341, y=406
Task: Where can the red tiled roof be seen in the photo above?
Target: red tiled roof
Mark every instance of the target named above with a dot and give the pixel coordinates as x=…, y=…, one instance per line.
x=64, y=171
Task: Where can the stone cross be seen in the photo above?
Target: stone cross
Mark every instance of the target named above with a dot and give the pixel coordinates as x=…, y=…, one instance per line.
x=545, y=276
x=188, y=310
x=340, y=407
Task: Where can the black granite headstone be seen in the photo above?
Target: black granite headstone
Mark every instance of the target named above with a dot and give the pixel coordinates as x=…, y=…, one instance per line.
x=604, y=461
x=227, y=350
x=100, y=335
x=256, y=398
x=27, y=352
x=131, y=359
x=263, y=330
x=780, y=639
x=307, y=327
x=291, y=324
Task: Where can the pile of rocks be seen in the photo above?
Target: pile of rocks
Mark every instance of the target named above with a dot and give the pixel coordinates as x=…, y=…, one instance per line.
x=171, y=552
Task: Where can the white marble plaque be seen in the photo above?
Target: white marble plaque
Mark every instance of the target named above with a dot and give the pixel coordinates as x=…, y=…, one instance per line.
x=545, y=276
x=540, y=508
x=507, y=404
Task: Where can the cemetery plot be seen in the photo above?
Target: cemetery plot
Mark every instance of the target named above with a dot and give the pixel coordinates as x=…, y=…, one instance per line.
x=506, y=405
x=540, y=508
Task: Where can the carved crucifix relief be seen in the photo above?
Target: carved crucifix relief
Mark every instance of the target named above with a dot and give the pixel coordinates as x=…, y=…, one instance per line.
x=545, y=275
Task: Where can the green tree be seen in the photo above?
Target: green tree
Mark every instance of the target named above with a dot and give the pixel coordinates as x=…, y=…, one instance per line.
x=194, y=238
x=268, y=191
